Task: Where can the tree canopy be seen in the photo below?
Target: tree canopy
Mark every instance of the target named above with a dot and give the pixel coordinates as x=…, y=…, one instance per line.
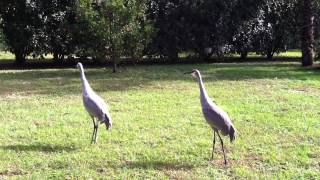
x=117, y=29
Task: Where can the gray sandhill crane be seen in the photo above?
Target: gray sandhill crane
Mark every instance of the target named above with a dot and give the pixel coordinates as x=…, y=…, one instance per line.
x=215, y=116
x=95, y=106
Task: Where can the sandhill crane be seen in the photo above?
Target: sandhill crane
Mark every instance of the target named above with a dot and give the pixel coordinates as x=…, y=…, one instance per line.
x=214, y=115
x=95, y=105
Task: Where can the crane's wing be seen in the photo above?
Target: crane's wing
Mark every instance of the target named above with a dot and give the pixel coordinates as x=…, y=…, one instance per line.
x=95, y=105
x=217, y=118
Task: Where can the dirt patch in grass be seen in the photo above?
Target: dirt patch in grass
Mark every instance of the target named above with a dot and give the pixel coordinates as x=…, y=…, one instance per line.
x=307, y=90
x=12, y=171
x=249, y=160
x=172, y=174
x=159, y=165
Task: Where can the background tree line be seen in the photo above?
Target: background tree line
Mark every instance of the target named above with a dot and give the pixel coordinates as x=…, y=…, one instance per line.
x=116, y=29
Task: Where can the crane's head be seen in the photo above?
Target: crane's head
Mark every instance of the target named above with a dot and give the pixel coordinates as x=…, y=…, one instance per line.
x=194, y=73
x=79, y=65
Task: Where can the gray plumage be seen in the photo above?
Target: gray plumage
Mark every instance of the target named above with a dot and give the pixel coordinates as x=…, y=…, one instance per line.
x=95, y=105
x=215, y=116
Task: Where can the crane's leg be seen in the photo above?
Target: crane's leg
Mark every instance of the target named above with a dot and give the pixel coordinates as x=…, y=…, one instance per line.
x=213, y=143
x=94, y=130
x=224, y=155
x=95, y=137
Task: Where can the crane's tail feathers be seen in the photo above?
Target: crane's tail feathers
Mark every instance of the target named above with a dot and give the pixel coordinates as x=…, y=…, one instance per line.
x=232, y=133
x=107, y=121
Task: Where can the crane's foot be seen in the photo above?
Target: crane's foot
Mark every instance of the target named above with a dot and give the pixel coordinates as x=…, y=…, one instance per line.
x=225, y=162
x=210, y=160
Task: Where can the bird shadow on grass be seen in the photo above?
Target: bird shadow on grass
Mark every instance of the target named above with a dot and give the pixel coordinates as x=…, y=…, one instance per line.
x=159, y=165
x=47, y=148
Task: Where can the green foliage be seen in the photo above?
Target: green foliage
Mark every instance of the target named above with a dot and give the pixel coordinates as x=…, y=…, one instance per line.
x=89, y=33
x=266, y=27
x=158, y=128
x=57, y=19
x=277, y=17
x=111, y=29
x=266, y=30
x=127, y=27
x=117, y=29
x=36, y=27
x=316, y=12
x=18, y=24
x=2, y=41
x=197, y=25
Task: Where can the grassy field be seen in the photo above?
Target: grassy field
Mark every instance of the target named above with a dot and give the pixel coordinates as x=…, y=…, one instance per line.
x=5, y=55
x=158, y=129
x=9, y=57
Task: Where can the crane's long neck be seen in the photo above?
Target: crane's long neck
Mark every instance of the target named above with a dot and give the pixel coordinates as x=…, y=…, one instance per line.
x=85, y=85
x=203, y=92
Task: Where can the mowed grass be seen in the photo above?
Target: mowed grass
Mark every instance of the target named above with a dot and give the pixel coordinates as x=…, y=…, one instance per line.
x=8, y=57
x=291, y=53
x=158, y=128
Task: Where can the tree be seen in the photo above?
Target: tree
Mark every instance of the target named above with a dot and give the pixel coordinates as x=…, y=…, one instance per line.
x=190, y=25
x=17, y=27
x=244, y=26
x=126, y=28
x=50, y=27
x=316, y=11
x=139, y=30
x=165, y=41
x=307, y=37
x=112, y=29
x=35, y=27
x=88, y=31
x=268, y=30
x=274, y=27
x=2, y=43
x=57, y=17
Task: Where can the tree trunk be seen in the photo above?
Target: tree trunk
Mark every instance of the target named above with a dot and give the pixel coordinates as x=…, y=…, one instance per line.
x=173, y=55
x=114, y=57
x=55, y=57
x=61, y=57
x=114, y=69
x=307, y=46
x=269, y=55
x=20, y=58
x=244, y=55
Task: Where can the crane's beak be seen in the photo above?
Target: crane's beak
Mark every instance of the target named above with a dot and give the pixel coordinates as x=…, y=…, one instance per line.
x=187, y=72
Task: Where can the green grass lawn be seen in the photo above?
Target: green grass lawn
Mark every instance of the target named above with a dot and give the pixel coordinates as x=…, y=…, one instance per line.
x=9, y=57
x=158, y=129
x=290, y=53
x=5, y=56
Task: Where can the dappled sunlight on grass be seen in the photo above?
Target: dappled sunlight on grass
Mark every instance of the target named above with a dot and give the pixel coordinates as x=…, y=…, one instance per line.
x=67, y=81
